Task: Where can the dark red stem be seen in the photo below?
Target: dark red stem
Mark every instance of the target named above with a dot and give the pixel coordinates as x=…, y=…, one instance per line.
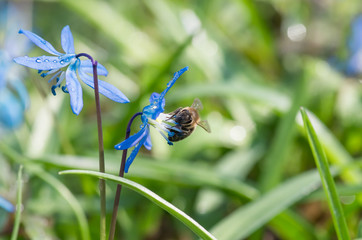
x=119, y=187
x=102, y=185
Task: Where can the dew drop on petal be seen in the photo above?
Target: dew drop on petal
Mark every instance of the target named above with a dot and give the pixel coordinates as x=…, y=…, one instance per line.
x=46, y=60
x=54, y=61
x=62, y=62
x=38, y=60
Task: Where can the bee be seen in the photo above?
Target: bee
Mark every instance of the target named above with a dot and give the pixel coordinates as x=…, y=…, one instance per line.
x=186, y=119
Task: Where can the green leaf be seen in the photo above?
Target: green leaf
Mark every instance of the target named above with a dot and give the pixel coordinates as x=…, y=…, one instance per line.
x=19, y=192
x=161, y=171
x=327, y=179
x=183, y=217
x=55, y=183
x=290, y=225
x=273, y=165
x=335, y=151
x=248, y=218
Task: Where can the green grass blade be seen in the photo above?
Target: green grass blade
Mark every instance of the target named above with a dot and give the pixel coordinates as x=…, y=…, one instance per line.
x=58, y=186
x=161, y=171
x=237, y=86
x=274, y=163
x=335, y=151
x=68, y=196
x=245, y=220
x=14, y=234
x=327, y=179
x=188, y=221
x=289, y=225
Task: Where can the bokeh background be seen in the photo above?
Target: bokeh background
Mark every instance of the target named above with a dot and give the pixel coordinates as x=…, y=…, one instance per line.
x=252, y=64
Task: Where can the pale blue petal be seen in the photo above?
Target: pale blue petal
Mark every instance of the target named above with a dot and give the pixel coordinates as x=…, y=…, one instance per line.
x=132, y=140
x=176, y=75
x=148, y=143
x=6, y=205
x=74, y=88
x=67, y=40
x=44, y=62
x=105, y=88
x=11, y=109
x=40, y=42
x=134, y=154
x=21, y=91
x=86, y=66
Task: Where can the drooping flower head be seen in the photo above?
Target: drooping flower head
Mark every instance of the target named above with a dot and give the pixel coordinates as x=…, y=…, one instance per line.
x=152, y=115
x=54, y=65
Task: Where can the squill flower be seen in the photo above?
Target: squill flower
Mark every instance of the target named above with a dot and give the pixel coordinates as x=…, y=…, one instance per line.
x=354, y=63
x=152, y=115
x=5, y=204
x=66, y=66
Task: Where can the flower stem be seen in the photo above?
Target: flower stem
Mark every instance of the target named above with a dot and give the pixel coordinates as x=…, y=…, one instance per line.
x=102, y=184
x=119, y=187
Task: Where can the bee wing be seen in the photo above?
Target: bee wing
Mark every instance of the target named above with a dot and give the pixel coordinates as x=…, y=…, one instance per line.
x=197, y=104
x=205, y=125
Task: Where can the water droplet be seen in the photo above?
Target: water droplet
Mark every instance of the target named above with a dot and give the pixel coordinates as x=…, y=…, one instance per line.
x=55, y=61
x=62, y=62
x=38, y=60
x=67, y=59
x=46, y=60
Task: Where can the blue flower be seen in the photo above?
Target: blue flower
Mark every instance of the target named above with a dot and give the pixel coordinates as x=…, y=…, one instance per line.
x=14, y=98
x=354, y=63
x=152, y=115
x=6, y=205
x=53, y=65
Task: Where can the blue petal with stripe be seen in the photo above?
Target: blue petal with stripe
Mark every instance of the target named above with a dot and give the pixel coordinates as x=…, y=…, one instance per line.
x=87, y=67
x=67, y=40
x=45, y=62
x=74, y=88
x=132, y=140
x=134, y=154
x=40, y=42
x=104, y=88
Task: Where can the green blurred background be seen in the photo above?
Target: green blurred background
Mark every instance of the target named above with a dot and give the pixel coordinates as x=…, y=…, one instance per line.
x=252, y=64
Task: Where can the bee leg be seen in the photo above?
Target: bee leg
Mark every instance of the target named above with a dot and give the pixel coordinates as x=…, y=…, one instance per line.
x=174, y=113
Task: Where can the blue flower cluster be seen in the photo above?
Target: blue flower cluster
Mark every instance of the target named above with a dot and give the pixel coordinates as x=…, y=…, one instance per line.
x=53, y=65
x=152, y=115
x=354, y=63
x=5, y=204
x=13, y=94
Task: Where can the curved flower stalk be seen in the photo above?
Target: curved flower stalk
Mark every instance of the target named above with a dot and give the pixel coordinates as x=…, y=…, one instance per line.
x=354, y=63
x=5, y=204
x=54, y=65
x=152, y=115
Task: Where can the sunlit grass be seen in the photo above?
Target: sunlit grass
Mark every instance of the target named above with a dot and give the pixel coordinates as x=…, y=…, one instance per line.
x=253, y=177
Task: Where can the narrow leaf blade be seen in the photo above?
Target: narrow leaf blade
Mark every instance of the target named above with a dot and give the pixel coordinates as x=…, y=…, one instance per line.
x=327, y=179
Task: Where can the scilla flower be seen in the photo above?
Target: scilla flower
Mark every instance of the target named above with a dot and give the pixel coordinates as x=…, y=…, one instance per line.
x=54, y=65
x=152, y=115
x=5, y=204
x=354, y=63
x=14, y=99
